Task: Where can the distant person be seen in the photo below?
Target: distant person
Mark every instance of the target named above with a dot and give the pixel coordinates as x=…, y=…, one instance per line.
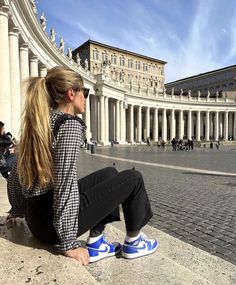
x=44, y=188
x=7, y=151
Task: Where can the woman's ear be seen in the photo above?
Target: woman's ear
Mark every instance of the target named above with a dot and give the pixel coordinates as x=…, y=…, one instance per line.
x=70, y=94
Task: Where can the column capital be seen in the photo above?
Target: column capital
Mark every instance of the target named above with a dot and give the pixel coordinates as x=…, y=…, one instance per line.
x=34, y=58
x=24, y=46
x=5, y=11
x=14, y=31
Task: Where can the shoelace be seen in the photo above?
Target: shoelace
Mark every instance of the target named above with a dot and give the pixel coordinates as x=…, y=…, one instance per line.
x=143, y=237
x=106, y=240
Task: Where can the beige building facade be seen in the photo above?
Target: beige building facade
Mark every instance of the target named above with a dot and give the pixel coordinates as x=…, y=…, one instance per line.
x=216, y=83
x=125, y=68
x=115, y=109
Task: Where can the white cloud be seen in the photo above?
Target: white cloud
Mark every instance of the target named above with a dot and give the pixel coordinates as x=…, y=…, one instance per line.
x=193, y=37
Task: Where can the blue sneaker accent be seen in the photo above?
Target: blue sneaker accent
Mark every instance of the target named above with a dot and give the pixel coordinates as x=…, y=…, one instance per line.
x=101, y=248
x=139, y=247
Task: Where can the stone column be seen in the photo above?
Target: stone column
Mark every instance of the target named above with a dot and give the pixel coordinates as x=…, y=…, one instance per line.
x=234, y=134
x=155, y=125
x=122, y=122
x=5, y=90
x=207, y=128
x=172, y=125
x=226, y=125
x=198, y=126
x=147, y=121
x=24, y=69
x=106, y=102
x=189, y=134
x=221, y=124
x=211, y=125
x=164, y=125
x=131, y=123
x=87, y=118
x=102, y=121
x=139, y=138
x=230, y=124
x=24, y=61
x=15, y=81
x=34, y=66
x=117, y=121
x=216, y=123
x=43, y=70
x=181, y=124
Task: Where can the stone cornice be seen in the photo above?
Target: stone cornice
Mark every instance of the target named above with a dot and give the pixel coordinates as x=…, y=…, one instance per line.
x=39, y=41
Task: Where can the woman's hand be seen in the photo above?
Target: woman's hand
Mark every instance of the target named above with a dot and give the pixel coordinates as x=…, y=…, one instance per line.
x=80, y=254
x=10, y=221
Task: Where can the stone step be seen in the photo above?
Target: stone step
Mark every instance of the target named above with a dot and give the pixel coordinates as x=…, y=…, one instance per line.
x=23, y=260
x=175, y=262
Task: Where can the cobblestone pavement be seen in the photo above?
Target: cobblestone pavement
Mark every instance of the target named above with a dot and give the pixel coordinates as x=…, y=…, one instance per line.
x=197, y=208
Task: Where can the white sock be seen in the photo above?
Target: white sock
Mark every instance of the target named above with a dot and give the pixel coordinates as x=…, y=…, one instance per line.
x=130, y=239
x=94, y=239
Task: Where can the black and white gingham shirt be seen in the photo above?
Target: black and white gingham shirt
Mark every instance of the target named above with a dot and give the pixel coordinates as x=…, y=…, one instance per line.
x=66, y=193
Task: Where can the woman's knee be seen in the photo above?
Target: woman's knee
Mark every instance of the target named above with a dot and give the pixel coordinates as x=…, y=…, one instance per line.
x=109, y=171
x=132, y=173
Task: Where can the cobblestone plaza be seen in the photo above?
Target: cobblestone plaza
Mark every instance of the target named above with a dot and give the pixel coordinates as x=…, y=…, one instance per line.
x=197, y=207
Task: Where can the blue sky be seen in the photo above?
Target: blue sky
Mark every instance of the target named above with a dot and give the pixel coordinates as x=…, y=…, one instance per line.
x=193, y=36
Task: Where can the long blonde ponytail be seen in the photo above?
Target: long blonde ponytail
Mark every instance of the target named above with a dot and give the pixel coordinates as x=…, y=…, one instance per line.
x=34, y=157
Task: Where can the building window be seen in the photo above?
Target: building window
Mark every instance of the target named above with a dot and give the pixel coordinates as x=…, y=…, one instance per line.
x=138, y=65
x=95, y=54
x=113, y=59
x=145, y=67
x=105, y=56
x=130, y=63
x=122, y=61
x=154, y=69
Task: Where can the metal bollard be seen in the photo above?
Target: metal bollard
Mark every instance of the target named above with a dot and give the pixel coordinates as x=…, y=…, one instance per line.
x=92, y=148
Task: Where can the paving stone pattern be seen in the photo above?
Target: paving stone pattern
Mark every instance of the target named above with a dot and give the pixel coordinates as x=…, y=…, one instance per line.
x=196, y=208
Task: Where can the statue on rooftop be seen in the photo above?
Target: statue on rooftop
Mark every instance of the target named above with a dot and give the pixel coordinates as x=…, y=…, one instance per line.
x=78, y=59
x=208, y=93
x=69, y=54
x=52, y=35
x=164, y=90
x=86, y=64
x=33, y=6
x=43, y=22
x=62, y=45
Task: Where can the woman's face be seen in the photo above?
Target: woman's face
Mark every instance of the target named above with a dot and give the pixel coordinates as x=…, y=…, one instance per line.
x=79, y=102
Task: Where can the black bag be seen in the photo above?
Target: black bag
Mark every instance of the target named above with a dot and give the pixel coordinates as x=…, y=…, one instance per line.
x=3, y=162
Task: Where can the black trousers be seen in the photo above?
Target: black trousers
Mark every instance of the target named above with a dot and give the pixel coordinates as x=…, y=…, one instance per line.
x=101, y=193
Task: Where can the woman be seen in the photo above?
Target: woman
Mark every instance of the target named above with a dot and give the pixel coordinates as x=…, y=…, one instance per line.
x=43, y=186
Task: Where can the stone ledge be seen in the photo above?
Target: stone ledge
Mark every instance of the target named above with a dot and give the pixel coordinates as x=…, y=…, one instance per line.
x=23, y=260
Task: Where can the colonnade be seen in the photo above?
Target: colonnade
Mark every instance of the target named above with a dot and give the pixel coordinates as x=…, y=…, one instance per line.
x=112, y=112
x=136, y=123
x=17, y=63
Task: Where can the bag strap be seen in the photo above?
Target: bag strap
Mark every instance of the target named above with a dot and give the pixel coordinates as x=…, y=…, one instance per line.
x=62, y=119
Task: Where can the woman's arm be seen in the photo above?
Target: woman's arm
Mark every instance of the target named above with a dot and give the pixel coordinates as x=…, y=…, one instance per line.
x=66, y=192
x=15, y=196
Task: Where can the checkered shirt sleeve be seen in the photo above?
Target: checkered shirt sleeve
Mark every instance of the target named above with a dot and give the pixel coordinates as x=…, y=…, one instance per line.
x=15, y=196
x=66, y=192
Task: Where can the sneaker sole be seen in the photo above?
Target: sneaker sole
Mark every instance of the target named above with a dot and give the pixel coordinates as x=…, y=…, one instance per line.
x=103, y=255
x=140, y=254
